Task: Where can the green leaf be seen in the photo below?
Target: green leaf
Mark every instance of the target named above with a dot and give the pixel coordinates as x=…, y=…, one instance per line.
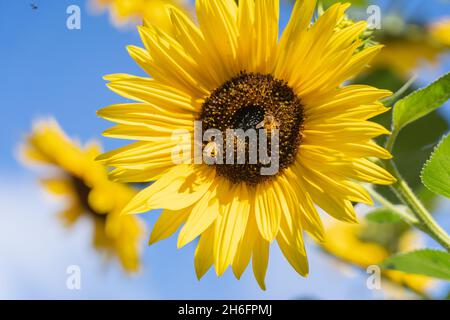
x=383, y=215
x=421, y=102
x=428, y=262
x=436, y=172
x=414, y=145
x=415, y=142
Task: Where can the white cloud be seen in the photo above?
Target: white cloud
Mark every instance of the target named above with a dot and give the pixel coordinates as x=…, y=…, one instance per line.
x=36, y=251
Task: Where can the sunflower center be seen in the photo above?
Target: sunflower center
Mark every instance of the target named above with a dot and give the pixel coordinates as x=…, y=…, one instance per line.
x=248, y=117
x=83, y=191
x=262, y=104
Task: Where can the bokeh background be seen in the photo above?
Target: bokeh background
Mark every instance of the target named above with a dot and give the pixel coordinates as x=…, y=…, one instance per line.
x=48, y=70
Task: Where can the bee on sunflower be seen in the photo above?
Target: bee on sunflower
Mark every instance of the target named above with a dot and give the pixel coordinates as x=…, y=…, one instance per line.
x=232, y=72
x=88, y=192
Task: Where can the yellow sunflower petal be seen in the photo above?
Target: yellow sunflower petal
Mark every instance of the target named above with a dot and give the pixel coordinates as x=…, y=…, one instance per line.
x=145, y=155
x=230, y=227
x=290, y=241
x=203, y=214
x=293, y=35
x=260, y=260
x=245, y=249
x=266, y=31
x=217, y=23
x=153, y=92
x=167, y=224
x=340, y=209
x=290, y=237
x=188, y=184
x=180, y=71
x=309, y=216
x=204, y=254
x=134, y=176
x=193, y=42
x=368, y=171
x=267, y=211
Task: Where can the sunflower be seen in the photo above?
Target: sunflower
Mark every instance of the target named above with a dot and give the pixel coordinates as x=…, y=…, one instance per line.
x=233, y=72
x=153, y=11
x=89, y=193
x=345, y=241
x=414, y=47
x=440, y=31
x=405, y=56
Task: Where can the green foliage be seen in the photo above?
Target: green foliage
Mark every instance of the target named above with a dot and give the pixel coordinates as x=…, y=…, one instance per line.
x=436, y=172
x=386, y=235
x=383, y=215
x=421, y=102
x=428, y=262
x=414, y=143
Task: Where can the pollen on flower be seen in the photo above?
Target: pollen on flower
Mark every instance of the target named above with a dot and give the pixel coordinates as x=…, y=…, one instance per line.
x=255, y=101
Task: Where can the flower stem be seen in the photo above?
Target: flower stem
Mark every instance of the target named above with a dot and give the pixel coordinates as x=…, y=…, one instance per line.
x=405, y=215
x=391, y=141
x=429, y=225
x=390, y=101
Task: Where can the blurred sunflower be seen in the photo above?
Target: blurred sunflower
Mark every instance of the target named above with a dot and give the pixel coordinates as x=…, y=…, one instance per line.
x=362, y=245
x=412, y=46
x=440, y=31
x=89, y=193
x=232, y=72
x=151, y=11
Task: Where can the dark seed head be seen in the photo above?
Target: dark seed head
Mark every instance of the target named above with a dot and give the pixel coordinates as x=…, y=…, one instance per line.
x=82, y=192
x=248, y=117
x=255, y=101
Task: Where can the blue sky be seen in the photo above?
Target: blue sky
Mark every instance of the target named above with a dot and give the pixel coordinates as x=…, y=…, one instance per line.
x=49, y=70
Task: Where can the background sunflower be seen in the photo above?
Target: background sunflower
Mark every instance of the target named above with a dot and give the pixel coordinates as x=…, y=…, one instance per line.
x=126, y=12
x=84, y=186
